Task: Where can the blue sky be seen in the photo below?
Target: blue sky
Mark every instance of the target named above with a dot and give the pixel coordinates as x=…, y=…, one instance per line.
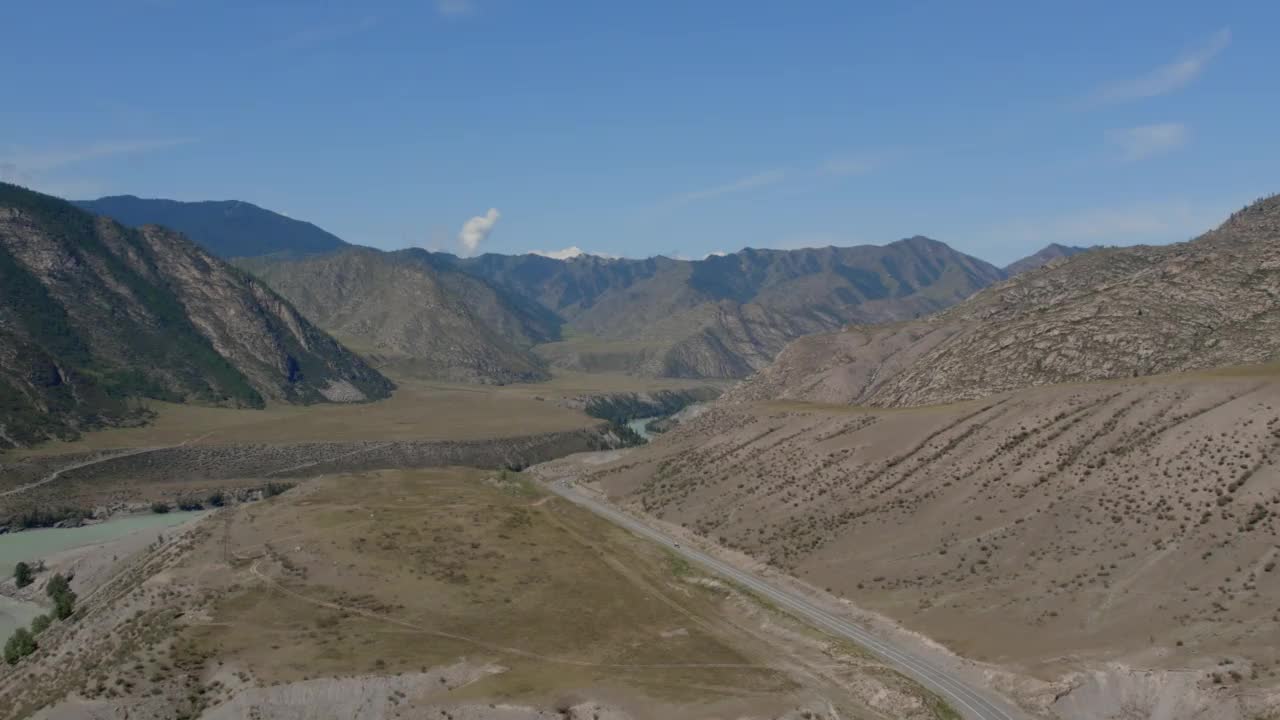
x=679, y=128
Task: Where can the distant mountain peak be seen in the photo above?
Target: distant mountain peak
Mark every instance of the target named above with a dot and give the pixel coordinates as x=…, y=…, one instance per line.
x=1042, y=257
x=226, y=228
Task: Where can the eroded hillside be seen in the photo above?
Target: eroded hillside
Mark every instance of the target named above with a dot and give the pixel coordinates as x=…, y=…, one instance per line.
x=1053, y=530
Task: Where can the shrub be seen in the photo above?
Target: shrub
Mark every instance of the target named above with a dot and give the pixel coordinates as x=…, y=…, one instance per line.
x=40, y=624
x=216, y=499
x=64, y=599
x=160, y=507
x=272, y=489
x=58, y=585
x=23, y=575
x=64, y=605
x=21, y=644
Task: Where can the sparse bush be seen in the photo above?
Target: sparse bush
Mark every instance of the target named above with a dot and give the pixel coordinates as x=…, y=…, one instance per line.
x=160, y=507
x=216, y=499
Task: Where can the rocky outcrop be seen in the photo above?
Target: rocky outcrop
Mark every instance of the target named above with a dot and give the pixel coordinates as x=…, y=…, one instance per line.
x=93, y=314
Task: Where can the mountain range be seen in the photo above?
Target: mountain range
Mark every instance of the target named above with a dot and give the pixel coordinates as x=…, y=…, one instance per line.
x=507, y=318
x=94, y=315
x=1107, y=314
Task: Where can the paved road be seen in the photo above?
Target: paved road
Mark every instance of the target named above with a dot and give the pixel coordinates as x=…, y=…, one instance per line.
x=970, y=702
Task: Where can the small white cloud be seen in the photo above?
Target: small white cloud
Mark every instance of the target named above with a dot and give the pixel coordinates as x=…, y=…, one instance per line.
x=572, y=251
x=1144, y=141
x=715, y=253
x=475, y=230
x=1167, y=78
x=455, y=8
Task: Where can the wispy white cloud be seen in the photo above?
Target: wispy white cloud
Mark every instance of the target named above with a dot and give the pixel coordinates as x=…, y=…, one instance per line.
x=475, y=230
x=1144, y=141
x=742, y=184
x=833, y=167
x=845, y=165
x=455, y=8
x=1156, y=222
x=43, y=160
x=39, y=168
x=319, y=35
x=1166, y=78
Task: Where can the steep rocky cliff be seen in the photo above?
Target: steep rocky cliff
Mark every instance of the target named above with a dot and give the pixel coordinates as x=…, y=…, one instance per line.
x=94, y=315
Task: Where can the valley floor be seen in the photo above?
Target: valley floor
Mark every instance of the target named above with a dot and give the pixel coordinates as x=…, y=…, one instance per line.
x=418, y=410
x=189, y=452
x=453, y=593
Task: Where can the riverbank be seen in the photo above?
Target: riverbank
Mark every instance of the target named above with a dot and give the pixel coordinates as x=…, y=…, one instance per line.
x=88, y=553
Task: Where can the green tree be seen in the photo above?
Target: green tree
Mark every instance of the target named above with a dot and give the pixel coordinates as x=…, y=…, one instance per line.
x=21, y=644
x=23, y=574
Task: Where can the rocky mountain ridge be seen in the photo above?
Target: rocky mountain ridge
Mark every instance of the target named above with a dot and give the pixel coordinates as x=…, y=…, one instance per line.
x=94, y=315
x=726, y=316
x=226, y=228
x=1107, y=314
